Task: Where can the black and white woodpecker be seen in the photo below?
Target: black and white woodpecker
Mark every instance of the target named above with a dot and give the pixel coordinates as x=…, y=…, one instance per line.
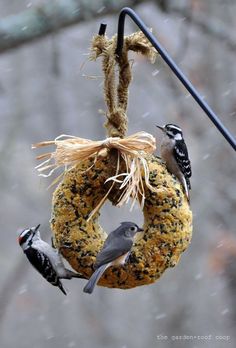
x=45, y=259
x=115, y=251
x=174, y=153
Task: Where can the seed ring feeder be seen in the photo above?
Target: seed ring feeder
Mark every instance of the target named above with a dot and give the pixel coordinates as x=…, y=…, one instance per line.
x=95, y=178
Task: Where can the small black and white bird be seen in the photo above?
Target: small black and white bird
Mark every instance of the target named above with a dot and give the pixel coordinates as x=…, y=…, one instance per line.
x=174, y=153
x=45, y=259
x=115, y=251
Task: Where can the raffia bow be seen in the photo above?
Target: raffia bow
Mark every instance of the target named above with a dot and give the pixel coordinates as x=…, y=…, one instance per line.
x=71, y=150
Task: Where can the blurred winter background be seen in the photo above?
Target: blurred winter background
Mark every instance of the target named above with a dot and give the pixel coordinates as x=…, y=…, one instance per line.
x=43, y=94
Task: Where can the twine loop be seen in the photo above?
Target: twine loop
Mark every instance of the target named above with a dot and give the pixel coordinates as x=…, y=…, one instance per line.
x=116, y=93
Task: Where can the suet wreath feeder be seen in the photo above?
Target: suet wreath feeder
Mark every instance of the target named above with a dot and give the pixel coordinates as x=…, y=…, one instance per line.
x=117, y=169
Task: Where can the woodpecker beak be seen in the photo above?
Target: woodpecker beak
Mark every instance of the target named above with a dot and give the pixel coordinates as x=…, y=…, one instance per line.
x=161, y=128
x=36, y=228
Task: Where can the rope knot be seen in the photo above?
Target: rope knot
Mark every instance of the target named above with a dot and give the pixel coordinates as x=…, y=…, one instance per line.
x=117, y=123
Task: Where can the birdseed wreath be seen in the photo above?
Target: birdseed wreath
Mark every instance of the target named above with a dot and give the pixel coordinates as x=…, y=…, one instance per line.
x=117, y=169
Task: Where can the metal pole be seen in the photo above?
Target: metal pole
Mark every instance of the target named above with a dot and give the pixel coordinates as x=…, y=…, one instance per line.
x=176, y=70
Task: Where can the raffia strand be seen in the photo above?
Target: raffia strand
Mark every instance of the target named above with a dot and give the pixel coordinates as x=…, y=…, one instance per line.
x=72, y=150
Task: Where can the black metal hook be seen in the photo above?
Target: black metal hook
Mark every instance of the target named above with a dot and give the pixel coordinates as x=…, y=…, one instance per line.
x=102, y=29
x=165, y=56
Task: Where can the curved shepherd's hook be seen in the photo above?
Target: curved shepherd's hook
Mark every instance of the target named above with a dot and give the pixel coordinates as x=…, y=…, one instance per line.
x=169, y=61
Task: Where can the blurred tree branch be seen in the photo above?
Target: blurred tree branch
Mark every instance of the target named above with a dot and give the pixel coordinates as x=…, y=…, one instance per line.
x=52, y=16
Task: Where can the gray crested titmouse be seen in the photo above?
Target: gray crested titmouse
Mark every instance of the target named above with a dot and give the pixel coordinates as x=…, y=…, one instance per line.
x=114, y=252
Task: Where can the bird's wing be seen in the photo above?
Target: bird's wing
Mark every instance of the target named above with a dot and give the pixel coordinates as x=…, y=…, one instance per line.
x=181, y=156
x=43, y=265
x=110, y=252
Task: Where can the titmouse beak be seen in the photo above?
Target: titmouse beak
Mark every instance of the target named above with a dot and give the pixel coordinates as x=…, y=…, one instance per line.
x=138, y=235
x=161, y=128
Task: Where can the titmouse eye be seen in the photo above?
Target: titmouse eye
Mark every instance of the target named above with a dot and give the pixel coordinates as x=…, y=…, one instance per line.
x=133, y=229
